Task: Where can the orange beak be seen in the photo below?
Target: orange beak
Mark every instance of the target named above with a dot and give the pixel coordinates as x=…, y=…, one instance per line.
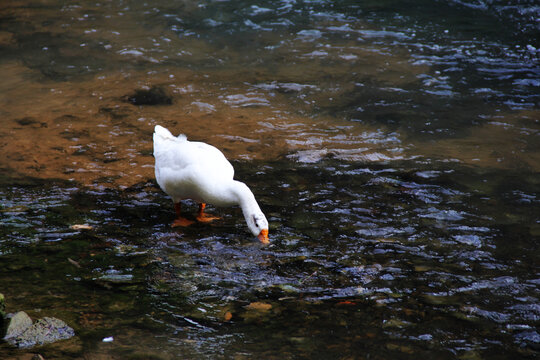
x=263, y=236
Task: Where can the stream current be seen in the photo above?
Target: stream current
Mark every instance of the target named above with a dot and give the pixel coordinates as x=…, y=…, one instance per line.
x=393, y=145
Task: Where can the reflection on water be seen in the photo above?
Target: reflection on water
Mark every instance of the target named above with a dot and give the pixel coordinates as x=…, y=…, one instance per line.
x=393, y=147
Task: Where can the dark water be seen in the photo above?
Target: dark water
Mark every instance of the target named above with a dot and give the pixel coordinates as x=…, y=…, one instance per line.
x=394, y=147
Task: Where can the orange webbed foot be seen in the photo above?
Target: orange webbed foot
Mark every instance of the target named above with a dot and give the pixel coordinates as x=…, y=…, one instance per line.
x=181, y=222
x=205, y=218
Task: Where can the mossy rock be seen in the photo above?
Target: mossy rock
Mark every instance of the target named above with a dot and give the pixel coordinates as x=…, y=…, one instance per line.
x=2, y=307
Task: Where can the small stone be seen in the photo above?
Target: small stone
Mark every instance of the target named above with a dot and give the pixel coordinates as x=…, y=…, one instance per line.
x=259, y=306
x=18, y=324
x=81, y=227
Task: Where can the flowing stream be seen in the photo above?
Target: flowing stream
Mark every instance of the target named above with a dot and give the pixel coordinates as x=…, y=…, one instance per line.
x=393, y=145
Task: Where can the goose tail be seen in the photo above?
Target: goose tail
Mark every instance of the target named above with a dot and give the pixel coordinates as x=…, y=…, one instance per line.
x=163, y=139
x=160, y=133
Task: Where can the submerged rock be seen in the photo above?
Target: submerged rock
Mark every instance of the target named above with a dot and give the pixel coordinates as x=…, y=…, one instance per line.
x=153, y=96
x=23, y=334
x=30, y=121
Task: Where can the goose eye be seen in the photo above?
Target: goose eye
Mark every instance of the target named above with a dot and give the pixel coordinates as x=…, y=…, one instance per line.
x=255, y=221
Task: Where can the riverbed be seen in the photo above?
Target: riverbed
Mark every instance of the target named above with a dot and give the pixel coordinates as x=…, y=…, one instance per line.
x=393, y=146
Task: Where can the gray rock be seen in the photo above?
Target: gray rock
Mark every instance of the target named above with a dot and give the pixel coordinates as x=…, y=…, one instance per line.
x=18, y=324
x=43, y=331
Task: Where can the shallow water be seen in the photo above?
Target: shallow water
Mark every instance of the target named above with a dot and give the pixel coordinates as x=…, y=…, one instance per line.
x=394, y=148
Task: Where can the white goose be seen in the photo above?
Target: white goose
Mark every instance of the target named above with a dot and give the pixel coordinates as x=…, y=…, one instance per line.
x=198, y=171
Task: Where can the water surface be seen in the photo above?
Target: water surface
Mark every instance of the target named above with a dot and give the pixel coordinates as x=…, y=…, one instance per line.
x=394, y=147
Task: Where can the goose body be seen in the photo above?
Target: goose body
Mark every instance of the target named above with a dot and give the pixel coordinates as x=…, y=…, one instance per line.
x=198, y=171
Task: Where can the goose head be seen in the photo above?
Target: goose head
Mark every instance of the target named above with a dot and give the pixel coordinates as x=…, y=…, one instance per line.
x=258, y=225
x=255, y=219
